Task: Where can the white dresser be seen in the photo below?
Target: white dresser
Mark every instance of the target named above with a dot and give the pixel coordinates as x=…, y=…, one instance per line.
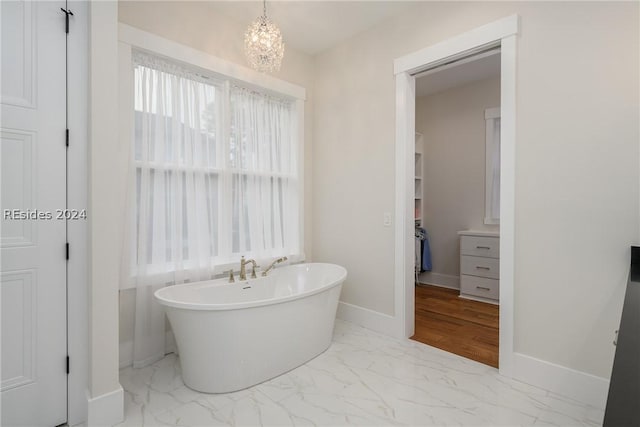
x=480, y=265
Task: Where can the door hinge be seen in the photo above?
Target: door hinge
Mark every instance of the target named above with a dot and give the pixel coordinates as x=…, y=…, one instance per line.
x=66, y=137
x=67, y=248
x=67, y=364
x=67, y=13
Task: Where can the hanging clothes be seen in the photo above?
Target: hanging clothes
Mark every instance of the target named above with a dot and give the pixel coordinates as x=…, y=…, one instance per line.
x=426, y=254
x=423, y=256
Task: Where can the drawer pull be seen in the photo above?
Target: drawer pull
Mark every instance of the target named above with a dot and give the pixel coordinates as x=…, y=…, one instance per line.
x=483, y=247
x=479, y=267
x=483, y=288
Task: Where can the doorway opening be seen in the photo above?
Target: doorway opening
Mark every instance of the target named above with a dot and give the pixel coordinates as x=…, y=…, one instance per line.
x=457, y=206
x=500, y=34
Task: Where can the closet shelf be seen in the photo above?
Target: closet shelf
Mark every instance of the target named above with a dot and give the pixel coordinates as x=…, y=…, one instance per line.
x=418, y=173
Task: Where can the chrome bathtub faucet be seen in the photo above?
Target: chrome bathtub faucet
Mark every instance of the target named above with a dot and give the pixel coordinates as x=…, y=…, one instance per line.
x=273, y=264
x=243, y=268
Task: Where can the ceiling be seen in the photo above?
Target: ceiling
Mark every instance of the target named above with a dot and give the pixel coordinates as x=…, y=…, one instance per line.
x=458, y=75
x=313, y=26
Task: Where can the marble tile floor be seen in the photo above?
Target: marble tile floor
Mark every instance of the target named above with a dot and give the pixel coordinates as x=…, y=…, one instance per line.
x=364, y=379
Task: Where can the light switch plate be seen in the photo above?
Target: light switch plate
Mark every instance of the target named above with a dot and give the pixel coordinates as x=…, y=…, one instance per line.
x=386, y=219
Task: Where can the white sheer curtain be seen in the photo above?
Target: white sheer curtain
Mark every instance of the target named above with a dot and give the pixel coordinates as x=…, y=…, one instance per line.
x=204, y=189
x=263, y=174
x=175, y=217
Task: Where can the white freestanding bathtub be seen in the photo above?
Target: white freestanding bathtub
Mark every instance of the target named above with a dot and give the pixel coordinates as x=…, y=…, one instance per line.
x=231, y=336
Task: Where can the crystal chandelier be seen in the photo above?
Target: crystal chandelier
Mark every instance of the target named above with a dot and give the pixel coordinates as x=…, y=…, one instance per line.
x=263, y=44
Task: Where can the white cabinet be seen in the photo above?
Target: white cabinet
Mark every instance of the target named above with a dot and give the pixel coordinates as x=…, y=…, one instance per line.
x=480, y=265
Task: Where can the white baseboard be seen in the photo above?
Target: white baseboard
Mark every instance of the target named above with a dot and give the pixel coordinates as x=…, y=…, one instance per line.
x=437, y=279
x=106, y=409
x=366, y=318
x=577, y=385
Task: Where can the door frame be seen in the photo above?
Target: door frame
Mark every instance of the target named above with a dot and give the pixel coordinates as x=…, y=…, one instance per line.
x=78, y=237
x=501, y=33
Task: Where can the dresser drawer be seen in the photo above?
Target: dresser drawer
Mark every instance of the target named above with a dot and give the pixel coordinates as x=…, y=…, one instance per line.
x=480, y=246
x=480, y=287
x=479, y=266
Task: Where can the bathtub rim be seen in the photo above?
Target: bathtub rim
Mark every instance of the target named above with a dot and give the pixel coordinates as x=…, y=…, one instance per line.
x=248, y=304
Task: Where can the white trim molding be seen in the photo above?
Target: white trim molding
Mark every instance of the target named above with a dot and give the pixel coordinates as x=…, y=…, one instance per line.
x=105, y=397
x=561, y=380
x=459, y=45
x=500, y=33
x=106, y=409
x=183, y=53
x=507, y=200
x=78, y=231
x=405, y=177
x=366, y=318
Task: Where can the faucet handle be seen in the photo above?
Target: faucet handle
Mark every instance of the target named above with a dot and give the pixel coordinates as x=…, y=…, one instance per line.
x=231, y=278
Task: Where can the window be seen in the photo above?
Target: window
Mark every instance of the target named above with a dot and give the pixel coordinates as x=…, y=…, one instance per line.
x=216, y=171
x=492, y=168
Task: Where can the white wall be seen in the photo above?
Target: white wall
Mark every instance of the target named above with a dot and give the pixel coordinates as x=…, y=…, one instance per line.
x=577, y=171
x=453, y=126
x=198, y=25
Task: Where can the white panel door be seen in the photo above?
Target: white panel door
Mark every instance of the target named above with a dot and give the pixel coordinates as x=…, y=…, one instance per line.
x=33, y=271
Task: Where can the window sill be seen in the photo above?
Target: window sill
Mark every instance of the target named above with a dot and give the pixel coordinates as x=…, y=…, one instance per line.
x=492, y=221
x=158, y=275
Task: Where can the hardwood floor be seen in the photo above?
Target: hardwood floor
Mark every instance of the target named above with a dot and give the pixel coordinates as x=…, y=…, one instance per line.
x=457, y=325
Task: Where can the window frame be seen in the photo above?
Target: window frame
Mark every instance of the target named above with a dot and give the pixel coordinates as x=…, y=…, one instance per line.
x=490, y=116
x=219, y=71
